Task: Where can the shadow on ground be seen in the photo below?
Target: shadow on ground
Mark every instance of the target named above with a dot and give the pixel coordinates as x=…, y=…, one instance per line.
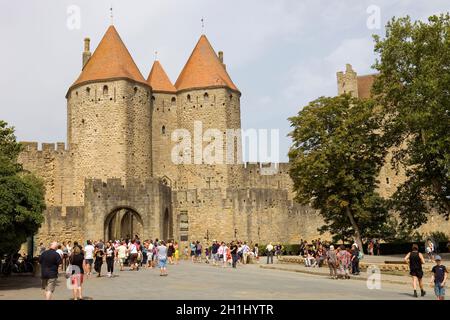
x=17, y=282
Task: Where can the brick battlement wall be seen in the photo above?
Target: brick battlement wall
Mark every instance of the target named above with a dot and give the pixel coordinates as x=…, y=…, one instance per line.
x=268, y=175
x=253, y=214
x=54, y=164
x=61, y=224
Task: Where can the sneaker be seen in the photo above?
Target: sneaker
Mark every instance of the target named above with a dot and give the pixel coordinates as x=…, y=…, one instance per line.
x=415, y=294
x=422, y=293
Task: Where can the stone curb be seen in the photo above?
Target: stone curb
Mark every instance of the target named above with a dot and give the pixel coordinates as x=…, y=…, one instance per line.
x=280, y=268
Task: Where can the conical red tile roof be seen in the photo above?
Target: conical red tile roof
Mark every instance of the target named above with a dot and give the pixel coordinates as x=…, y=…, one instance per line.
x=110, y=60
x=158, y=79
x=204, y=69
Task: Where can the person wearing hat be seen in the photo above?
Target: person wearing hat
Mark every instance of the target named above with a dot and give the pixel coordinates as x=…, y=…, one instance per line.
x=438, y=278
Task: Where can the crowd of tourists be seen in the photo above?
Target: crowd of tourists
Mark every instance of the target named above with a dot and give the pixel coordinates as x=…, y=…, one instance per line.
x=79, y=262
x=341, y=261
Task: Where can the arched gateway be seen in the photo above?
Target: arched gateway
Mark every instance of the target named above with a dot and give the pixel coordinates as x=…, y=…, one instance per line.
x=117, y=210
x=123, y=223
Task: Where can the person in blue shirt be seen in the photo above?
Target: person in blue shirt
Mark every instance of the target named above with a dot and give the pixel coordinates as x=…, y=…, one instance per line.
x=439, y=278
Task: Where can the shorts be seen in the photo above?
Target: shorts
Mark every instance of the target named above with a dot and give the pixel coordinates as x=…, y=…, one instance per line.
x=77, y=280
x=162, y=262
x=198, y=253
x=416, y=273
x=438, y=290
x=133, y=258
x=122, y=260
x=49, y=284
x=89, y=261
x=192, y=253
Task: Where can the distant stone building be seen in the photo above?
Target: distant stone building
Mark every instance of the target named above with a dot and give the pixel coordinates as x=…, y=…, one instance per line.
x=116, y=178
x=389, y=179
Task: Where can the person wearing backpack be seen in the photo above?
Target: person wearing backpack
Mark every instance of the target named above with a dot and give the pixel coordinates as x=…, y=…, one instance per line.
x=355, y=259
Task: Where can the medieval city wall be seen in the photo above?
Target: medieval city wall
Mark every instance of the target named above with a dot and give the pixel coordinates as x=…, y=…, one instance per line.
x=252, y=214
x=52, y=163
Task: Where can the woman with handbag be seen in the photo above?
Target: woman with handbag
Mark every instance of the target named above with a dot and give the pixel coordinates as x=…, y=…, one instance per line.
x=76, y=273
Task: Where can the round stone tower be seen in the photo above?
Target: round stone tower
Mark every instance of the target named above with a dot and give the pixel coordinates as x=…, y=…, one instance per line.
x=164, y=122
x=109, y=117
x=209, y=108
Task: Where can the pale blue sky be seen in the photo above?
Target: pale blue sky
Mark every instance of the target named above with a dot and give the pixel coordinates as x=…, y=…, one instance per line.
x=280, y=54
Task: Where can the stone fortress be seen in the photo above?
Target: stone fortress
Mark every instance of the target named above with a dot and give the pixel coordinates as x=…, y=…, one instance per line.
x=115, y=177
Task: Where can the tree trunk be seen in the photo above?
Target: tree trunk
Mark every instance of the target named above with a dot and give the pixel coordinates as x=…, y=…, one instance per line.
x=355, y=227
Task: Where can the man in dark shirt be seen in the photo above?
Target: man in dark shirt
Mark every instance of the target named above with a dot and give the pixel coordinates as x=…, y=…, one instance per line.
x=439, y=278
x=50, y=261
x=214, y=250
x=233, y=251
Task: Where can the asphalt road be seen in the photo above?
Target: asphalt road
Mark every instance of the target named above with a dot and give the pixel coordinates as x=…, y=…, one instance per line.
x=189, y=281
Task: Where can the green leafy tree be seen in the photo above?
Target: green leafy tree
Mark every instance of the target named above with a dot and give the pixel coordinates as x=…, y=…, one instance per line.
x=335, y=158
x=21, y=195
x=413, y=87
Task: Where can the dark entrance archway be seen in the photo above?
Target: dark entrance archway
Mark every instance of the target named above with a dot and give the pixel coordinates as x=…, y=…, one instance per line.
x=123, y=223
x=167, y=225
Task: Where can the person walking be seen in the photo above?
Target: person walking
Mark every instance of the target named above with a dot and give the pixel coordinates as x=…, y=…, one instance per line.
x=344, y=259
x=76, y=260
x=162, y=258
x=49, y=261
x=332, y=262
x=122, y=251
x=256, y=252
x=269, y=251
x=98, y=254
x=110, y=254
x=88, y=257
x=221, y=254
x=429, y=249
x=415, y=260
x=214, y=252
x=170, y=252
x=133, y=254
x=355, y=259
x=177, y=252
x=234, y=253
x=439, y=278
x=150, y=252
x=193, y=248
x=245, y=253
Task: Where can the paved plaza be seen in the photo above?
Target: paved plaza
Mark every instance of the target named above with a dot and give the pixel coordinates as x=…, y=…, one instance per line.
x=190, y=281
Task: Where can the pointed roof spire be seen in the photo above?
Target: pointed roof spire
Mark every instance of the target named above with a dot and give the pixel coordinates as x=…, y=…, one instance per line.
x=158, y=79
x=111, y=60
x=204, y=69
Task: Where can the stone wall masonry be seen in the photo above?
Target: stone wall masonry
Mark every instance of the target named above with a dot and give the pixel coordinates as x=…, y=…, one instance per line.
x=61, y=227
x=163, y=124
x=109, y=132
x=252, y=214
x=216, y=109
x=148, y=198
x=54, y=164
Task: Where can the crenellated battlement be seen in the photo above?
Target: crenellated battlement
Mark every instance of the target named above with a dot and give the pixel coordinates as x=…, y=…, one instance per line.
x=32, y=146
